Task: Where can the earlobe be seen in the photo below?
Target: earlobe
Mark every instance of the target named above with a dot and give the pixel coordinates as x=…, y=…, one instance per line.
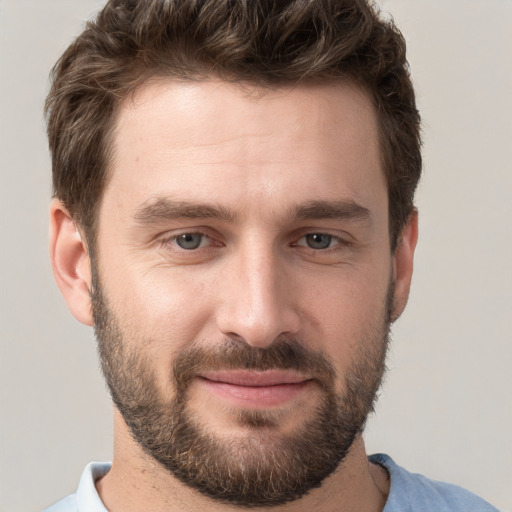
x=70, y=262
x=403, y=261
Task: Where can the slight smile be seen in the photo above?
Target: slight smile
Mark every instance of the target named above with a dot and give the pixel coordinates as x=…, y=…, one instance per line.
x=255, y=389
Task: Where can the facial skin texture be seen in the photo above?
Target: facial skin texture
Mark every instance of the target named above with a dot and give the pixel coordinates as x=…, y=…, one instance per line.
x=264, y=465
x=283, y=204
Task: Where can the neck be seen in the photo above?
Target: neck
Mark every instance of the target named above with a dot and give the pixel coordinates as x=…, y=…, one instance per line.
x=137, y=483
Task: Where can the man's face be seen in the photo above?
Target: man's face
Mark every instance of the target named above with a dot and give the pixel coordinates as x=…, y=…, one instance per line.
x=243, y=281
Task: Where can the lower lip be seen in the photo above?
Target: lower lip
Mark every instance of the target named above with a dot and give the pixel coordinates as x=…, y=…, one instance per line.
x=256, y=397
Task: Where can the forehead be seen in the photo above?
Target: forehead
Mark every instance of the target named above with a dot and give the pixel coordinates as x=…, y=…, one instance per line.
x=224, y=142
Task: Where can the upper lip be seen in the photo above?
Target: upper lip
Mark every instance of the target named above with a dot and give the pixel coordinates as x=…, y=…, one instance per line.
x=255, y=378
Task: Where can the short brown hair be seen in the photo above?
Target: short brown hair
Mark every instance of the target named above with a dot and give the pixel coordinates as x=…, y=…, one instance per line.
x=262, y=42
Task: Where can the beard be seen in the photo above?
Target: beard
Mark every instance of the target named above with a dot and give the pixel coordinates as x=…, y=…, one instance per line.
x=262, y=466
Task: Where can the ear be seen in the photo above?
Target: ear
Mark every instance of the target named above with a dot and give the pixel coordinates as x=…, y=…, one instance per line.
x=70, y=262
x=403, y=264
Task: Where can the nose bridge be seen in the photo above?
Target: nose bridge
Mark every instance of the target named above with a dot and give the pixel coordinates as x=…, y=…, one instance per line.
x=257, y=305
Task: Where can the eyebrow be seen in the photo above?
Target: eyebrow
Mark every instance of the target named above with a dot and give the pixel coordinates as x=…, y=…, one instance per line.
x=343, y=209
x=164, y=209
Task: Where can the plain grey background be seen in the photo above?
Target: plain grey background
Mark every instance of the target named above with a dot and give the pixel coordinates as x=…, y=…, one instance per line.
x=446, y=407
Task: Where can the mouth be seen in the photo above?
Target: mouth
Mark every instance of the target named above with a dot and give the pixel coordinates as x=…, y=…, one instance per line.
x=256, y=389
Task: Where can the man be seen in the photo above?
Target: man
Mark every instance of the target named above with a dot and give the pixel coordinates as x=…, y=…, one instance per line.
x=234, y=215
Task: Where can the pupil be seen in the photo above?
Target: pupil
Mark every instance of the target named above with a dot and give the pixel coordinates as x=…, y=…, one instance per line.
x=319, y=241
x=189, y=241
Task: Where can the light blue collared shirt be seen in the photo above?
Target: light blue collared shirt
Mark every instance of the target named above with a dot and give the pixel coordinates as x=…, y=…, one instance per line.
x=409, y=492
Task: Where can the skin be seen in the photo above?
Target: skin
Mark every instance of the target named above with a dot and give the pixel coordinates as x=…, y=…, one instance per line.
x=259, y=156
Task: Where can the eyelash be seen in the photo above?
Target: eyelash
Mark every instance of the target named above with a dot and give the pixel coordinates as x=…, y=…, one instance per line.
x=338, y=242
x=332, y=238
x=173, y=240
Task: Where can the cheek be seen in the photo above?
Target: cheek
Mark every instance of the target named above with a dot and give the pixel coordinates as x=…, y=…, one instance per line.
x=162, y=308
x=346, y=313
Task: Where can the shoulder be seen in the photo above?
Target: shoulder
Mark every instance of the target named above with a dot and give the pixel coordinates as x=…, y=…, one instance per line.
x=86, y=498
x=413, y=492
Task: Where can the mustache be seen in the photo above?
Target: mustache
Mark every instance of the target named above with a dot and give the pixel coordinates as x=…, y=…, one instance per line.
x=284, y=353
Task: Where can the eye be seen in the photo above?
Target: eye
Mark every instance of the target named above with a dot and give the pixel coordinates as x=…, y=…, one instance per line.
x=318, y=241
x=191, y=241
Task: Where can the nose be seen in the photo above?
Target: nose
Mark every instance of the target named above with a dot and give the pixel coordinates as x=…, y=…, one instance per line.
x=258, y=301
